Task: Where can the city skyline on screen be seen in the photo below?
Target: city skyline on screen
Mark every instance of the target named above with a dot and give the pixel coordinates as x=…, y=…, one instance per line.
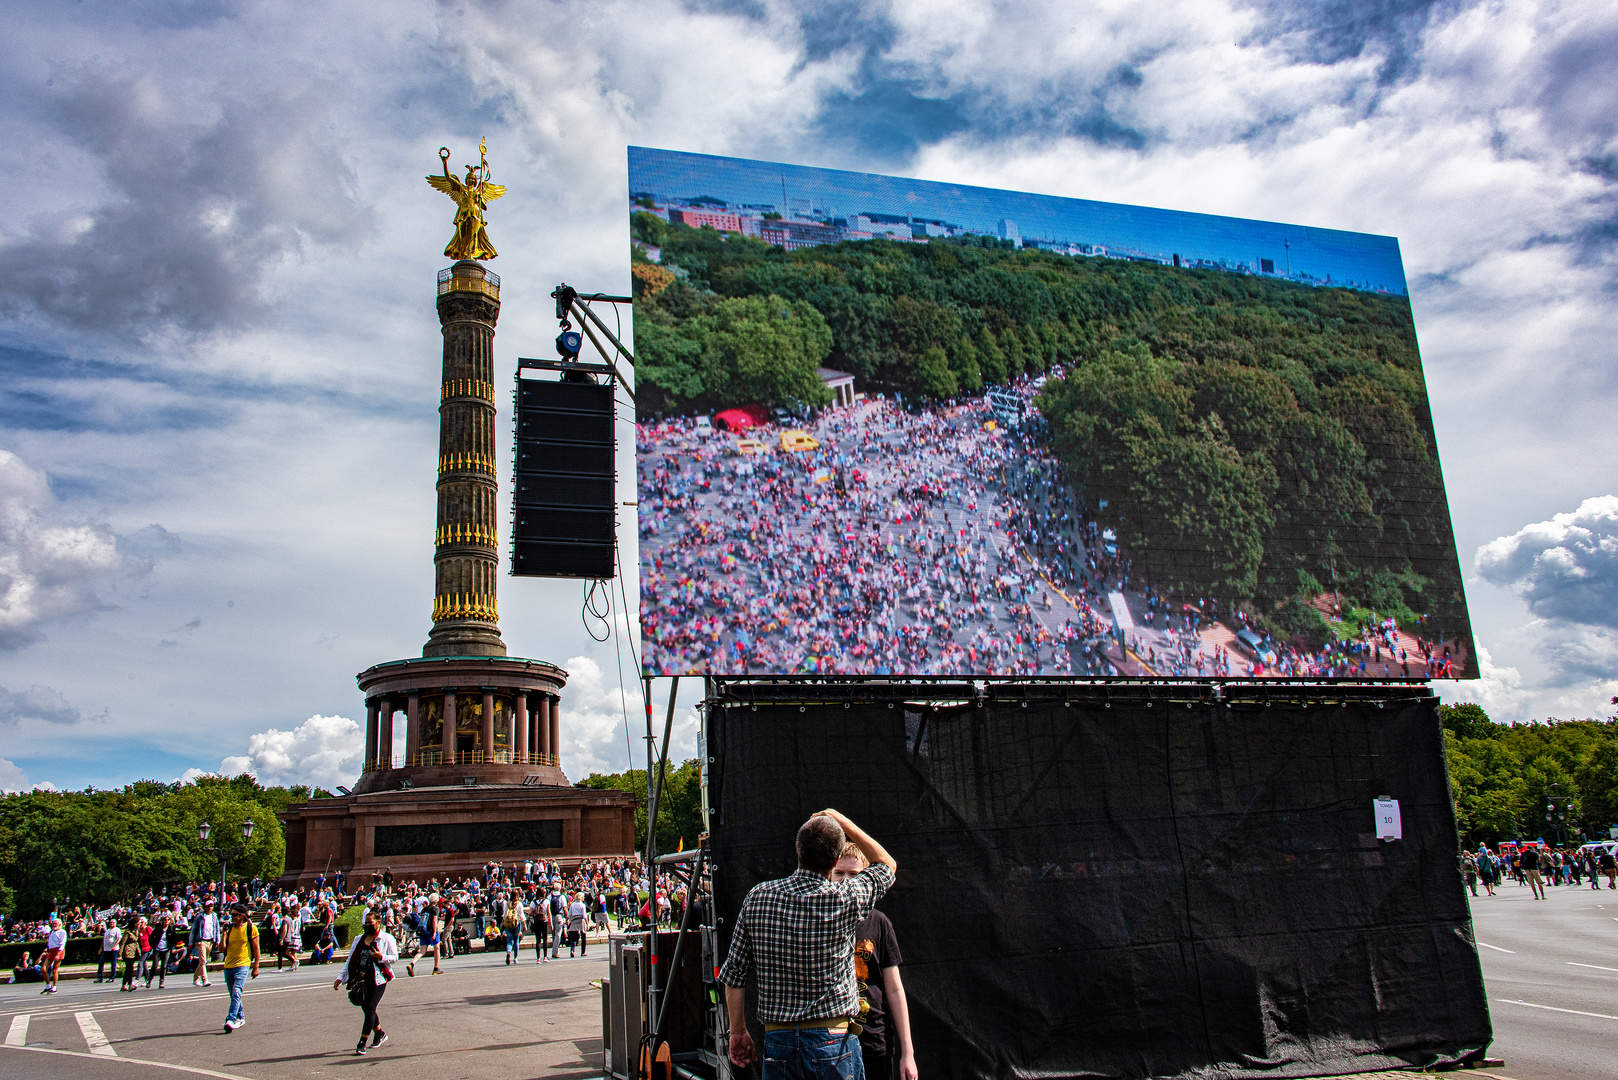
x=898, y=427
x=1066, y=225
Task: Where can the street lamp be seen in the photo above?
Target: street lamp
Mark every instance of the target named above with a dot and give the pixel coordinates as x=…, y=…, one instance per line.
x=225, y=852
x=1556, y=808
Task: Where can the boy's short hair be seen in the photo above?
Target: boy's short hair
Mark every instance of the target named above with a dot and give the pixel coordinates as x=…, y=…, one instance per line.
x=851, y=850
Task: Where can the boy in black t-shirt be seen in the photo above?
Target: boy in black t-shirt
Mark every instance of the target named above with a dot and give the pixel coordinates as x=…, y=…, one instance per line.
x=884, y=1012
x=1530, y=869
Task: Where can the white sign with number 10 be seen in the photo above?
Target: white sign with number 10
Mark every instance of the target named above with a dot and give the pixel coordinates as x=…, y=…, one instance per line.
x=1388, y=825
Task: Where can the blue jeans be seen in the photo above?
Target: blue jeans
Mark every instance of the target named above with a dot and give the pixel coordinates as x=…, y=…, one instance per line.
x=812, y=1054
x=235, y=980
x=512, y=938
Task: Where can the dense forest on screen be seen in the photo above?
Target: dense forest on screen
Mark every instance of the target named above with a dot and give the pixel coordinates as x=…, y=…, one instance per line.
x=1254, y=440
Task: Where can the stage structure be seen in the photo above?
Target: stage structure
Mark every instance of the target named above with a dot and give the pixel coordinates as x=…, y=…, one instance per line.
x=480, y=777
x=1123, y=880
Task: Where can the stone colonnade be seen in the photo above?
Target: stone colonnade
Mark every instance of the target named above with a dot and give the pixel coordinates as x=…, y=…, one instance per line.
x=536, y=729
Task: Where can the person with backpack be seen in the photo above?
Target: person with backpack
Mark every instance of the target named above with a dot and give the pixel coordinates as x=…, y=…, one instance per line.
x=428, y=935
x=511, y=922
x=129, y=953
x=241, y=952
x=557, y=906
x=540, y=916
x=368, y=972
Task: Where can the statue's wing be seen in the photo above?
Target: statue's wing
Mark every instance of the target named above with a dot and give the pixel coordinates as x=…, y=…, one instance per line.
x=448, y=185
x=491, y=192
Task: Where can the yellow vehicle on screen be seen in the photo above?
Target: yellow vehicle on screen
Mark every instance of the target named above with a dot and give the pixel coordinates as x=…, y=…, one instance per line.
x=793, y=440
x=752, y=446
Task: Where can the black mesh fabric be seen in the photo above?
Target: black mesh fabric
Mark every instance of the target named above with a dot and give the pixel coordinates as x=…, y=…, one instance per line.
x=1133, y=890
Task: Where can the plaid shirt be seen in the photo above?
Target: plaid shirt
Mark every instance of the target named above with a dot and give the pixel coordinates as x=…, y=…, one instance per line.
x=797, y=933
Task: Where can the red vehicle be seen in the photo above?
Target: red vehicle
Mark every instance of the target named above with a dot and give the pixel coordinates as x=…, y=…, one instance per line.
x=741, y=418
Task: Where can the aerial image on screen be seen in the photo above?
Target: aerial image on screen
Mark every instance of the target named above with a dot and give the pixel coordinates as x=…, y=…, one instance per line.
x=901, y=427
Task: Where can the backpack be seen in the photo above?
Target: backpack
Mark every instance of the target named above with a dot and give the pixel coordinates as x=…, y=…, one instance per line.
x=357, y=984
x=512, y=920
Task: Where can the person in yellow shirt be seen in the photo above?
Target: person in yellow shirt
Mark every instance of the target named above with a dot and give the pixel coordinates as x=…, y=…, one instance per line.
x=241, y=951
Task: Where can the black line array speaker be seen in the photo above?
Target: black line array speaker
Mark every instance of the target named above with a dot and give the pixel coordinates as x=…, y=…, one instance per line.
x=563, y=515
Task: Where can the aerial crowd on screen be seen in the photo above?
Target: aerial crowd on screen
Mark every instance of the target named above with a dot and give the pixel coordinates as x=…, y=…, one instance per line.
x=929, y=542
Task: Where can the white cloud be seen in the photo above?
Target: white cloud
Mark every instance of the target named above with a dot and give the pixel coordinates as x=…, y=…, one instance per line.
x=36, y=703
x=593, y=724
x=261, y=376
x=1499, y=690
x=48, y=569
x=1566, y=569
x=12, y=778
x=322, y=751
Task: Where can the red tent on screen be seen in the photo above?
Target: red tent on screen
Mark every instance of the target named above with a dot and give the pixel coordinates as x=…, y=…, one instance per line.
x=741, y=418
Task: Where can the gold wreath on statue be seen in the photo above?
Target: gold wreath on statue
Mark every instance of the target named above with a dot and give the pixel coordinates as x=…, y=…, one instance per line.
x=472, y=197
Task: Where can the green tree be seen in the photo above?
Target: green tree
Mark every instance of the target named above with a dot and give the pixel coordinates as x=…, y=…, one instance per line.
x=648, y=228
x=932, y=377
x=963, y=362
x=679, y=817
x=767, y=350
x=991, y=360
x=104, y=846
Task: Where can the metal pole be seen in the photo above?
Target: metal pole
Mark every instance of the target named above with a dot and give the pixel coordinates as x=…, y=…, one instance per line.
x=593, y=317
x=651, y=875
x=679, y=943
x=663, y=755
x=654, y=993
x=605, y=355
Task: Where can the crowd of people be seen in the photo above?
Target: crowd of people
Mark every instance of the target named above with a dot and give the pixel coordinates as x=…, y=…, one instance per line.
x=932, y=542
x=1533, y=867
x=906, y=542
x=182, y=931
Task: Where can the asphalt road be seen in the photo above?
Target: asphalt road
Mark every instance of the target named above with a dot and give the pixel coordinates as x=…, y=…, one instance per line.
x=479, y=1019
x=1551, y=970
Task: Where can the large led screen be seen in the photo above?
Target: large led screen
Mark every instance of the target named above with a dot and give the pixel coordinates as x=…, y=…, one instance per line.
x=891, y=426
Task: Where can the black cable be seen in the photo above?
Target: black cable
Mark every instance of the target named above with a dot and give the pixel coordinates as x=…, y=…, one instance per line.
x=589, y=610
x=623, y=704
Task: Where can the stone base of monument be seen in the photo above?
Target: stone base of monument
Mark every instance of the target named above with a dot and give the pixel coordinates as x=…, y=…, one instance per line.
x=480, y=779
x=450, y=831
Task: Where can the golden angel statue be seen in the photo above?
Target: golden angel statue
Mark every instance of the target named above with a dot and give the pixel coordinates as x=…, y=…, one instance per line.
x=472, y=197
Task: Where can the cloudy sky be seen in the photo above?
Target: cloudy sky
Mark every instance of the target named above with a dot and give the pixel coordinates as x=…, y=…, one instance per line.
x=219, y=353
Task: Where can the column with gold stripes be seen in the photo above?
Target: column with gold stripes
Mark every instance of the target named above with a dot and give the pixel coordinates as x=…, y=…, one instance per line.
x=466, y=618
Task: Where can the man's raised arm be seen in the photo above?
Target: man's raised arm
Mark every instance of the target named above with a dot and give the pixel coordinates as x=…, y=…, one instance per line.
x=874, y=852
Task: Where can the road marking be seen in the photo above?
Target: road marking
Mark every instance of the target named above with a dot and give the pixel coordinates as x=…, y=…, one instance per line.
x=1598, y=967
x=18, y=1035
x=94, y=1037
x=1496, y=948
x=1553, y=1008
x=183, y=1000
x=132, y=1061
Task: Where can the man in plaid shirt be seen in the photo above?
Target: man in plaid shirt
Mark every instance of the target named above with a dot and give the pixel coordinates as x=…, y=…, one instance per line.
x=796, y=935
